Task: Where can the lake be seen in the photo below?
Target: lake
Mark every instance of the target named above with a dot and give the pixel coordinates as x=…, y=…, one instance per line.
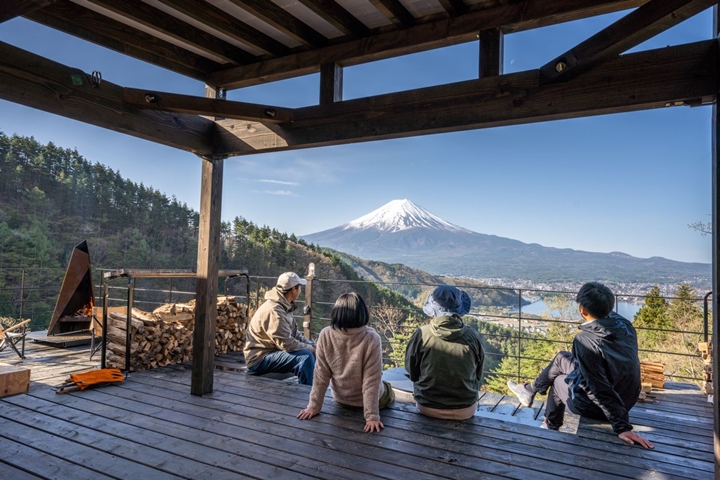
x=627, y=310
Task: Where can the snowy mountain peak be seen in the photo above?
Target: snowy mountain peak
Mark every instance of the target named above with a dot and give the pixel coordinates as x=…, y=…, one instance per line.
x=399, y=215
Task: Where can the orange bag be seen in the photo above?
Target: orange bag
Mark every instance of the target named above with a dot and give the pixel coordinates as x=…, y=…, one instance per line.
x=84, y=380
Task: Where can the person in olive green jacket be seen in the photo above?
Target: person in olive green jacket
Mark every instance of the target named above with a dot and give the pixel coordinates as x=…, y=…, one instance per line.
x=444, y=358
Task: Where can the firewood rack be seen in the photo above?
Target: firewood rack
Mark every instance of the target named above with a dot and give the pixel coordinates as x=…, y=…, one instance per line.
x=132, y=276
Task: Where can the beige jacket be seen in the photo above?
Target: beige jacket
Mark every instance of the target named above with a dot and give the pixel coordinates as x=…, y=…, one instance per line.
x=351, y=362
x=273, y=328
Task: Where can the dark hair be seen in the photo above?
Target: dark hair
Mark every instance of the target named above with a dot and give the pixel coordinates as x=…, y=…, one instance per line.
x=286, y=291
x=596, y=298
x=349, y=311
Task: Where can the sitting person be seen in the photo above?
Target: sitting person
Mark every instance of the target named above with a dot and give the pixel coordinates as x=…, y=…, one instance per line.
x=349, y=358
x=444, y=358
x=273, y=342
x=600, y=379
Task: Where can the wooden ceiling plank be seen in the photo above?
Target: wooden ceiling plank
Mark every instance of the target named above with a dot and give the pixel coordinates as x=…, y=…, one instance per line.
x=395, y=12
x=441, y=33
x=283, y=21
x=453, y=7
x=160, y=21
x=633, y=29
x=34, y=81
x=17, y=8
x=638, y=81
x=228, y=25
x=88, y=25
x=337, y=16
x=211, y=107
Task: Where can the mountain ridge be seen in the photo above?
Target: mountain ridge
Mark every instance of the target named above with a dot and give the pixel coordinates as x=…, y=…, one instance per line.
x=457, y=251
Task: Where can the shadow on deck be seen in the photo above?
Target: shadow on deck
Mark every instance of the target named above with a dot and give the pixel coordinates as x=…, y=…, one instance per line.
x=150, y=427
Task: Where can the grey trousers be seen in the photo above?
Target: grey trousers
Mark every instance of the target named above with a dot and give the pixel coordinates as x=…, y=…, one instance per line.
x=553, y=378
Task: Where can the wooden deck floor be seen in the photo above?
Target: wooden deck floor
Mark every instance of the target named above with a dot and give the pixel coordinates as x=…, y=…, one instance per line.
x=150, y=427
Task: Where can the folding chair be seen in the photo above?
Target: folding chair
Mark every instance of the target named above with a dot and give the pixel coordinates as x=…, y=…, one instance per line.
x=9, y=337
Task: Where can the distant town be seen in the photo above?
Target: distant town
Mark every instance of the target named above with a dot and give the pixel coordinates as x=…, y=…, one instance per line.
x=630, y=292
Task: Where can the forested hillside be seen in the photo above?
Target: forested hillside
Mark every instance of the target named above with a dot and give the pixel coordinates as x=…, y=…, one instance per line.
x=52, y=198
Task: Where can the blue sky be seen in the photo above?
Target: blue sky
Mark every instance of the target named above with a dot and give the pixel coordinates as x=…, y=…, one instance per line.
x=629, y=182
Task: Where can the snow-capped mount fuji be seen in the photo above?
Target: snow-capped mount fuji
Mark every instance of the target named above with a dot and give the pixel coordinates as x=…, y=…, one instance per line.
x=397, y=228
x=399, y=215
x=402, y=232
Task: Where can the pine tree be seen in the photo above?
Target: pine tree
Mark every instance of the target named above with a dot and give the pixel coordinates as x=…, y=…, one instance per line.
x=651, y=316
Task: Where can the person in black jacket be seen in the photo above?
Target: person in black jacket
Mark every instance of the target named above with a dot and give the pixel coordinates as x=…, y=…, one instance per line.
x=600, y=379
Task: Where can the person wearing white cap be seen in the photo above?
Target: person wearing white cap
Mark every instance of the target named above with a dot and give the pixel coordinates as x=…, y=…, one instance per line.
x=273, y=342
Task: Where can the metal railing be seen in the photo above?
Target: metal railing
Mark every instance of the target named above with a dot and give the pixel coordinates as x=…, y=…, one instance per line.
x=510, y=325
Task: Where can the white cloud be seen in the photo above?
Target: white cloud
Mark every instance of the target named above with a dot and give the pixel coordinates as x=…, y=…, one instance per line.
x=286, y=193
x=266, y=180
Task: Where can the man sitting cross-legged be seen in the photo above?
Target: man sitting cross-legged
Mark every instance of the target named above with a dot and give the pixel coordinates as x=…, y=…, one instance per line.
x=600, y=379
x=273, y=342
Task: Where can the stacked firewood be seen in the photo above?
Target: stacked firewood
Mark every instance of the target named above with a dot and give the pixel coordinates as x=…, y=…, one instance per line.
x=165, y=336
x=706, y=351
x=652, y=373
x=231, y=322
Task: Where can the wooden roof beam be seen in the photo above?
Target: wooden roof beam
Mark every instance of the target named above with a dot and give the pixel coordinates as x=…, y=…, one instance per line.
x=228, y=25
x=636, y=27
x=338, y=17
x=17, y=8
x=291, y=26
x=638, y=81
x=453, y=7
x=515, y=17
x=34, y=81
x=160, y=21
x=211, y=107
x=88, y=25
x=395, y=12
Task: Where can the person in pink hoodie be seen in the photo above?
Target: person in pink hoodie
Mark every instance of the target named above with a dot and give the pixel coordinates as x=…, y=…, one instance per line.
x=349, y=359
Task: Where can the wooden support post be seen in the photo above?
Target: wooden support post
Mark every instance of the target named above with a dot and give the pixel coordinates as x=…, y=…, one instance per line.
x=492, y=44
x=716, y=256
x=207, y=277
x=307, y=311
x=331, y=83
x=218, y=93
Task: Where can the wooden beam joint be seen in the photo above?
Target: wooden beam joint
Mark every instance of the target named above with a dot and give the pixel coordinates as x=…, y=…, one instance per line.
x=636, y=27
x=211, y=107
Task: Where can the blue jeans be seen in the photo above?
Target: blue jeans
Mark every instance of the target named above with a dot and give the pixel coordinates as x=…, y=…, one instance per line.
x=300, y=363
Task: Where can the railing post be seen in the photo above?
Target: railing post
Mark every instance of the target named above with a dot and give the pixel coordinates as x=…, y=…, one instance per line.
x=128, y=343
x=103, y=350
x=257, y=295
x=170, y=293
x=705, y=316
x=22, y=292
x=519, y=342
x=307, y=311
x=22, y=301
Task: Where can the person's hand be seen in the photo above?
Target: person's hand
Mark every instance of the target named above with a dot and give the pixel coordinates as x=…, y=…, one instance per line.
x=633, y=438
x=373, y=426
x=306, y=414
